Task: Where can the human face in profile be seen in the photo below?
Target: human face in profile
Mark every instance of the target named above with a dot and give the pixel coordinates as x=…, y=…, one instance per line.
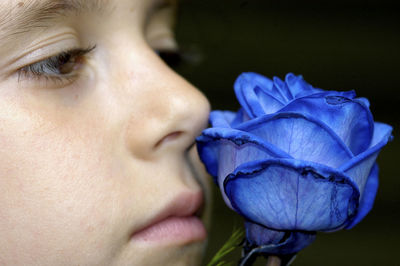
x=97, y=165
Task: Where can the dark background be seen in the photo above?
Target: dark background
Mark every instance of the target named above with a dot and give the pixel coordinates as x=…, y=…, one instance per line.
x=339, y=45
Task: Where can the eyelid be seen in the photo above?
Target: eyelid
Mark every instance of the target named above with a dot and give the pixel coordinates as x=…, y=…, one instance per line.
x=73, y=51
x=164, y=43
x=37, y=70
x=44, y=46
x=160, y=26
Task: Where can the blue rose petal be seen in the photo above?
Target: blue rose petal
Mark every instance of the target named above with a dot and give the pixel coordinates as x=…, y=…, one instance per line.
x=382, y=134
x=270, y=241
x=298, y=86
x=258, y=235
x=363, y=101
x=223, y=149
x=358, y=168
x=239, y=118
x=350, y=120
x=368, y=198
x=283, y=89
x=300, y=137
x=238, y=146
x=287, y=194
x=247, y=97
x=222, y=118
x=259, y=95
x=268, y=102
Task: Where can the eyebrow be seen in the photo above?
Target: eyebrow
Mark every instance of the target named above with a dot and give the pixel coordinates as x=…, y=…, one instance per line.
x=27, y=15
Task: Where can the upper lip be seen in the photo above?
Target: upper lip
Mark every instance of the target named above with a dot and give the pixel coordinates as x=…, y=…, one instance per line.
x=189, y=203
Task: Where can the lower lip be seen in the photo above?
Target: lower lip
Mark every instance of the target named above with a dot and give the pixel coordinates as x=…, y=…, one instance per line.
x=173, y=229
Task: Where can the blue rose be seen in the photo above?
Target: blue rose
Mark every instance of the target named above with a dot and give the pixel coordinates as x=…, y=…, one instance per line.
x=294, y=160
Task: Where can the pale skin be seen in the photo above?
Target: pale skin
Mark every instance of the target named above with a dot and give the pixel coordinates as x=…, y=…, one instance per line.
x=90, y=154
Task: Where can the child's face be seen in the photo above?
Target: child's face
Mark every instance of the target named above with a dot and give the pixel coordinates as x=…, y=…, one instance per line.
x=94, y=145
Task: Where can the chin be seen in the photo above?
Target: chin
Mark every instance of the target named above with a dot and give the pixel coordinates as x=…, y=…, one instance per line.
x=189, y=254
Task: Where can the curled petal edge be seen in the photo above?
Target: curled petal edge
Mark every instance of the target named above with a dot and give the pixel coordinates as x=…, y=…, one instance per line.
x=386, y=137
x=244, y=89
x=315, y=105
x=327, y=173
x=251, y=124
x=221, y=118
x=238, y=137
x=367, y=201
x=284, y=244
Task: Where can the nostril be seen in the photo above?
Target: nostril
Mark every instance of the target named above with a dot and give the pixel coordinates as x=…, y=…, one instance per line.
x=169, y=137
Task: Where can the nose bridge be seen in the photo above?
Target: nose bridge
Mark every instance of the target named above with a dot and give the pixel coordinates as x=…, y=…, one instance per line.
x=166, y=111
x=180, y=103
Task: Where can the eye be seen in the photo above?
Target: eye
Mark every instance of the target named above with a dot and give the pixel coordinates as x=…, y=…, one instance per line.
x=159, y=33
x=64, y=65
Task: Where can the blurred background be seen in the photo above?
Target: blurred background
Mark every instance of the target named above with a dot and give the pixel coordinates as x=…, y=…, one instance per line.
x=339, y=45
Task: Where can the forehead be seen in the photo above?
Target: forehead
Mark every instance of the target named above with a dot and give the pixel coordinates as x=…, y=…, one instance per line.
x=19, y=16
x=38, y=7
x=79, y=4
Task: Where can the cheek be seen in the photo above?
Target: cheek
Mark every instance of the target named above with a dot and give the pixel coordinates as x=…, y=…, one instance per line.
x=55, y=190
x=206, y=182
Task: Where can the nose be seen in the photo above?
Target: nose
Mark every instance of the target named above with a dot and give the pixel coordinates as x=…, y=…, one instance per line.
x=166, y=113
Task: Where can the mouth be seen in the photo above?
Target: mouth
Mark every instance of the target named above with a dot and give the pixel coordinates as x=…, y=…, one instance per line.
x=179, y=222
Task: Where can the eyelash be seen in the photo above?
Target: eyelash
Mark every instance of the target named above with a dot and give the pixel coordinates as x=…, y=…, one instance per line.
x=51, y=67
